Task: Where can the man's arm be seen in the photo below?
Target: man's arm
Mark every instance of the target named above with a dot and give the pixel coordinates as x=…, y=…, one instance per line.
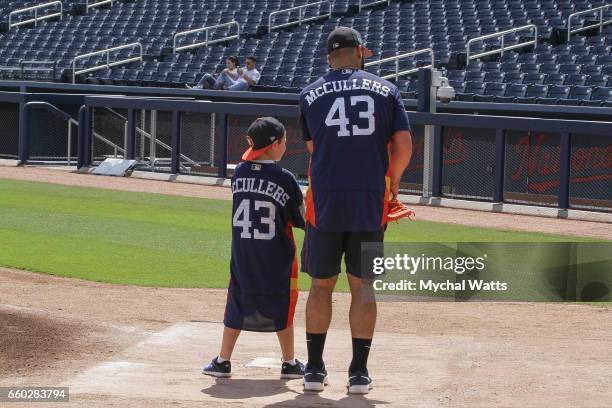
x=247, y=79
x=401, y=152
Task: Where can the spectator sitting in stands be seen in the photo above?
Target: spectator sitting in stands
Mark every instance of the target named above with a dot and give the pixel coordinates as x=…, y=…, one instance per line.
x=232, y=77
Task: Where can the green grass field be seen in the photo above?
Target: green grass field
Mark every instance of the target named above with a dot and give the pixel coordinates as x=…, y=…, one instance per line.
x=154, y=239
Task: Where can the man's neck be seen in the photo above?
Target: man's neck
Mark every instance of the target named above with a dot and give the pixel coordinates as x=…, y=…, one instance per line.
x=345, y=66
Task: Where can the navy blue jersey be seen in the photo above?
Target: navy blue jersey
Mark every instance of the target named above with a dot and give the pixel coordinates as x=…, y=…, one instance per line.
x=267, y=202
x=350, y=116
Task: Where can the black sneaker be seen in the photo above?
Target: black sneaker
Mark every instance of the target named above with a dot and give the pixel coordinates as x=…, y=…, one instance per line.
x=291, y=372
x=220, y=370
x=359, y=383
x=315, y=379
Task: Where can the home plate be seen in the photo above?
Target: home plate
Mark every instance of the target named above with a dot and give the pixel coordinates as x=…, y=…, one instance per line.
x=264, y=362
x=166, y=367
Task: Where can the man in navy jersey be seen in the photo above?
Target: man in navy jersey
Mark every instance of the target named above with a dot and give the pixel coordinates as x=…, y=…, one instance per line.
x=357, y=131
x=263, y=291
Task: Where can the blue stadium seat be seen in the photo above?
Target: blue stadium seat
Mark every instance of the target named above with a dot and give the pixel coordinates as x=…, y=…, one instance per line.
x=576, y=95
x=534, y=78
x=599, y=96
x=575, y=80
x=292, y=57
x=597, y=80
x=533, y=94
x=513, y=91
x=555, y=93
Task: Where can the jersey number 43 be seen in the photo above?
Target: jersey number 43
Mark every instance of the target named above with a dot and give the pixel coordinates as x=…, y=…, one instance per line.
x=267, y=213
x=337, y=115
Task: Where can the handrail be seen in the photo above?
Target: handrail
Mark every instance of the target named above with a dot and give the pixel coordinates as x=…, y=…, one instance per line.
x=402, y=56
x=579, y=13
x=58, y=112
x=22, y=64
x=108, y=63
x=175, y=49
x=97, y=4
x=50, y=107
x=148, y=135
x=101, y=138
x=36, y=17
x=503, y=48
x=301, y=18
x=374, y=3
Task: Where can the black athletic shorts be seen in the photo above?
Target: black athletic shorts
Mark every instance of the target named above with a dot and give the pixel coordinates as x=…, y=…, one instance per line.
x=322, y=252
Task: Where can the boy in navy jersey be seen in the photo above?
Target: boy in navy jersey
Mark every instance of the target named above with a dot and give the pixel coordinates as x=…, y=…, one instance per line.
x=357, y=130
x=262, y=294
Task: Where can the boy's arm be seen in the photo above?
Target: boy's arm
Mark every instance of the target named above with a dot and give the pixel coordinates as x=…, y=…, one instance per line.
x=296, y=206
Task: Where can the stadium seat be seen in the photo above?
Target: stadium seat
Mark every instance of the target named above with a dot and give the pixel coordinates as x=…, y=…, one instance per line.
x=599, y=96
x=471, y=89
x=291, y=58
x=491, y=91
x=513, y=91
x=575, y=79
x=576, y=95
x=534, y=92
x=555, y=93
x=555, y=79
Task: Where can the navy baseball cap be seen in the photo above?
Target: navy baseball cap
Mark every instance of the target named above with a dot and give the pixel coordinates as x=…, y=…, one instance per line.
x=343, y=37
x=261, y=134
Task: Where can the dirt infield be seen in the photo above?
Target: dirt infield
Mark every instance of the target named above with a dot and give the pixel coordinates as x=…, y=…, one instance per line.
x=131, y=346
x=142, y=347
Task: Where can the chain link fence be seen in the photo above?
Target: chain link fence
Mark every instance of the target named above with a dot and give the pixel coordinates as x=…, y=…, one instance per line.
x=531, y=167
x=9, y=131
x=201, y=147
x=109, y=134
x=53, y=139
x=295, y=159
x=532, y=174
x=412, y=179
x=591, y=172
x=468, y=169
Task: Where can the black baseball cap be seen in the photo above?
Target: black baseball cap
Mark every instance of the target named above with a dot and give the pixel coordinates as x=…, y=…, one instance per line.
x=343, y=37
x=261, y=134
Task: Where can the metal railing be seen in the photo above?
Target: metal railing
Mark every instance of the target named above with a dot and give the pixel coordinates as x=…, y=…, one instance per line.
x=175, y=49
x=36, y=18
x=22, y=65
x=591, y=11
x=97, y=4
x=153, y=140
x=24, y=144
x=301, y=18
x=402, y=56
x=24, y=149
x=374, y=3
x=503, y=48
x=108, y=63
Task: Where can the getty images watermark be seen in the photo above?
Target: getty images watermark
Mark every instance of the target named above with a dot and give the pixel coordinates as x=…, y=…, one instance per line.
x=562, y=271
x=422, y=263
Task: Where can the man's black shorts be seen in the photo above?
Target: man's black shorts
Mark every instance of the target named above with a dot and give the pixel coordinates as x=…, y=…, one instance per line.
x=322, y=252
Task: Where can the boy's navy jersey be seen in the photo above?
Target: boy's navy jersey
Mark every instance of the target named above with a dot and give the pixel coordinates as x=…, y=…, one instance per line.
x=350, y=116
x=267, y=202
